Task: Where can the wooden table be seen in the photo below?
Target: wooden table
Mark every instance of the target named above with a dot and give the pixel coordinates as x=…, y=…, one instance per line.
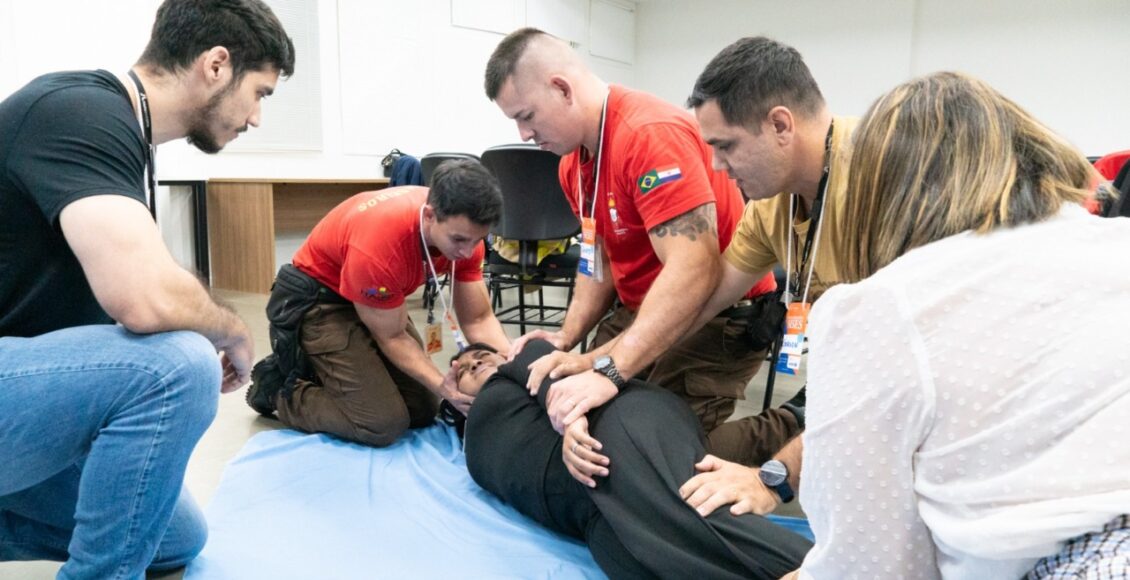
x=245, y=215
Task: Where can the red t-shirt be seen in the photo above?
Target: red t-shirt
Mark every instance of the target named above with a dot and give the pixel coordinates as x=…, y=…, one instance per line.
x=654, y=167
x=368, y=249
x=1109, y=165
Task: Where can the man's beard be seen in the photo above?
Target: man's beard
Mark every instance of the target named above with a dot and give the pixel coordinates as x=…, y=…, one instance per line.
x=200, y=133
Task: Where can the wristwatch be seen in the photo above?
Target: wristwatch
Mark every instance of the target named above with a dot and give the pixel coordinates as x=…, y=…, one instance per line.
x=606, y=367
x=775, y=476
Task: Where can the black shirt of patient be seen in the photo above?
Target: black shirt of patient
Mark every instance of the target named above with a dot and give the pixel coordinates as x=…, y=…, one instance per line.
x=506, y=434
x=635, y=522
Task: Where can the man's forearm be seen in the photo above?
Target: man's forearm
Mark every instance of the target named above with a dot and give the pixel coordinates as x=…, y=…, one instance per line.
x=591, y=299
x=667, y=313
x=791, y=455
x=407, y=355
x=732, y=286
x=180, y=302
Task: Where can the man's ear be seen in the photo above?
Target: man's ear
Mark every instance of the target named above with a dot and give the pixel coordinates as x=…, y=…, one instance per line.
x=781, y=122
x=429, y=213
x=215, y=66
x=562, y=87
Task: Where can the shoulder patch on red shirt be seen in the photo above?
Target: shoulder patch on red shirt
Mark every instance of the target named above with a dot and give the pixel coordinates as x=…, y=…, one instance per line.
x=380, y=294
x=656, y=177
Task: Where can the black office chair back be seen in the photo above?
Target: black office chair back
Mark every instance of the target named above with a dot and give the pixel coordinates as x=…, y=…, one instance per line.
x=533, y=204
x=431, y=161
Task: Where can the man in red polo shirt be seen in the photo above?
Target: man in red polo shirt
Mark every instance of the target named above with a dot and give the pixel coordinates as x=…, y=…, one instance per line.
x=369, y=377
x=657, y=215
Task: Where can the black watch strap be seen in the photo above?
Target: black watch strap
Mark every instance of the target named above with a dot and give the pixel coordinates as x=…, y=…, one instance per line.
x=785, y=491
x=605, y=366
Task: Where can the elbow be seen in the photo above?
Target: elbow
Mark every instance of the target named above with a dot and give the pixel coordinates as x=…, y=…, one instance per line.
x=713, y=272
x=139, y=317
x=707, y=272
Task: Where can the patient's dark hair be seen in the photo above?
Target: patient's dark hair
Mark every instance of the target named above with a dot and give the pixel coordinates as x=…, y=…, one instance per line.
x=474, y=346
x=449, y=414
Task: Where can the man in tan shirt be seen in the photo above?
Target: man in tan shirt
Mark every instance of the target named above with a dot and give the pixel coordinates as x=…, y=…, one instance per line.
x=763, y=114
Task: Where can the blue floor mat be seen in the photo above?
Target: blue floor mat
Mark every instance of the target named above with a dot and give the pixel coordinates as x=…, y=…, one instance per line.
x=292, y=505
x=795, y=525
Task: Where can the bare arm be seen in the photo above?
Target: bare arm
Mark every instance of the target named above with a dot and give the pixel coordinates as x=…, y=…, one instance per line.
x=688, y=247
x=732, y=286
x=472, y=308
x=791, y=455
x=591, y=299
x=722, y=482
x=388, y=329
x=137, y=282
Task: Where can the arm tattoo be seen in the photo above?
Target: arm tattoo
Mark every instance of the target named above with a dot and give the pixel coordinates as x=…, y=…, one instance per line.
x=698, y=221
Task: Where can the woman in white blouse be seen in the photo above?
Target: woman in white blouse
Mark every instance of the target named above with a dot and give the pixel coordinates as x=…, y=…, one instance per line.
x=969, y=405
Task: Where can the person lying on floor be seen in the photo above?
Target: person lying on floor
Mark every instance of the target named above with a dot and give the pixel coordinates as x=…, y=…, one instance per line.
x=634, y=521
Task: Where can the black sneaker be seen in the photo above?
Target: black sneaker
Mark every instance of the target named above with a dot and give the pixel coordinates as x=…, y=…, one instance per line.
x=266, y=382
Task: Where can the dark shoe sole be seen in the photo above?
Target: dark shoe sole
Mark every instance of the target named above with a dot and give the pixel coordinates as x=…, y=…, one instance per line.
x=257, y=401
x=259, y=398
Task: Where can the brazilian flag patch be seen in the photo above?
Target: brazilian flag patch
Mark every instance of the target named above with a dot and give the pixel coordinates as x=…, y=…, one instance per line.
x=656, y=177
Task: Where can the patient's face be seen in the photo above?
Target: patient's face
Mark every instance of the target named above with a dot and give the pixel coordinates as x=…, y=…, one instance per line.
x=475, y=367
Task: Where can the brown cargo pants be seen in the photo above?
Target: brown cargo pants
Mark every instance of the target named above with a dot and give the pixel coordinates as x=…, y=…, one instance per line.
x=358, y=393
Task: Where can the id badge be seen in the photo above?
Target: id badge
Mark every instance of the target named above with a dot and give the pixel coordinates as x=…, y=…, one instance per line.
x=792, y=343
x=460, y=342
x=433, y=338
x=589, y=265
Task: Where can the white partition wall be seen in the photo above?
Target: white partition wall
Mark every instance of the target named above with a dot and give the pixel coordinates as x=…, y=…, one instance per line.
x=383, y=74
x=1064, y=61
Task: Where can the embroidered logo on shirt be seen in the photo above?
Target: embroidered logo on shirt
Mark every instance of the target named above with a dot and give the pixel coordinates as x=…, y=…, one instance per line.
x=380, y=294
x=656, y=177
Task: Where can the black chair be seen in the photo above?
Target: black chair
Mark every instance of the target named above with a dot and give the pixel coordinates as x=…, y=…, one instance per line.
x=534, y=209
x=431, y=161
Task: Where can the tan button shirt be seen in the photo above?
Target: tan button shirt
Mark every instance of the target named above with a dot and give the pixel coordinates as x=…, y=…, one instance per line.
x=763, y=233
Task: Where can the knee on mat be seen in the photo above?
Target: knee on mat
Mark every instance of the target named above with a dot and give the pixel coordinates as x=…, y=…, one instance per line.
x=384, y=432
x=183, y=541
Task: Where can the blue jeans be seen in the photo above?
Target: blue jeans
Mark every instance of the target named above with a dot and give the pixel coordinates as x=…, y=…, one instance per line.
x=96, y=427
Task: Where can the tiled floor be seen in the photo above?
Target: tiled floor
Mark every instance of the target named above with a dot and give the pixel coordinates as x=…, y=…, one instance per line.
x=235, y=423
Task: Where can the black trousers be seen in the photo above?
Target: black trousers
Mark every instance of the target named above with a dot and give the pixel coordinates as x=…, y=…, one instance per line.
x=634, y=522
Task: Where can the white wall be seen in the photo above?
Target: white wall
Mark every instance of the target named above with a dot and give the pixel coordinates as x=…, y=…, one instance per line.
x=398, y=74
x=1063, y=61
x=392, y=73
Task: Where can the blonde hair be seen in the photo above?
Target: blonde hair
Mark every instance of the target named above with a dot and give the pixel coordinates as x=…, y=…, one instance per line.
x=944, y=154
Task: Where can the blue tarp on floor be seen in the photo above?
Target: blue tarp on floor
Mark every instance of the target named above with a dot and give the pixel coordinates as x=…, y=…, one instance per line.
x=292, y=505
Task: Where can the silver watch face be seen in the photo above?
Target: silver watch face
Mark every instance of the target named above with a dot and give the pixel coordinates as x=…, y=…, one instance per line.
x=602, y=363
x=773, y=473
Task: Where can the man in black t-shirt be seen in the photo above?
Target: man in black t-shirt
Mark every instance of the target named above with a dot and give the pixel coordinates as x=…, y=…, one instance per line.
x=97, y=420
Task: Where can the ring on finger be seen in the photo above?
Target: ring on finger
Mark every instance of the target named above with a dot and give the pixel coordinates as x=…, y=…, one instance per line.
x=573, y=449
